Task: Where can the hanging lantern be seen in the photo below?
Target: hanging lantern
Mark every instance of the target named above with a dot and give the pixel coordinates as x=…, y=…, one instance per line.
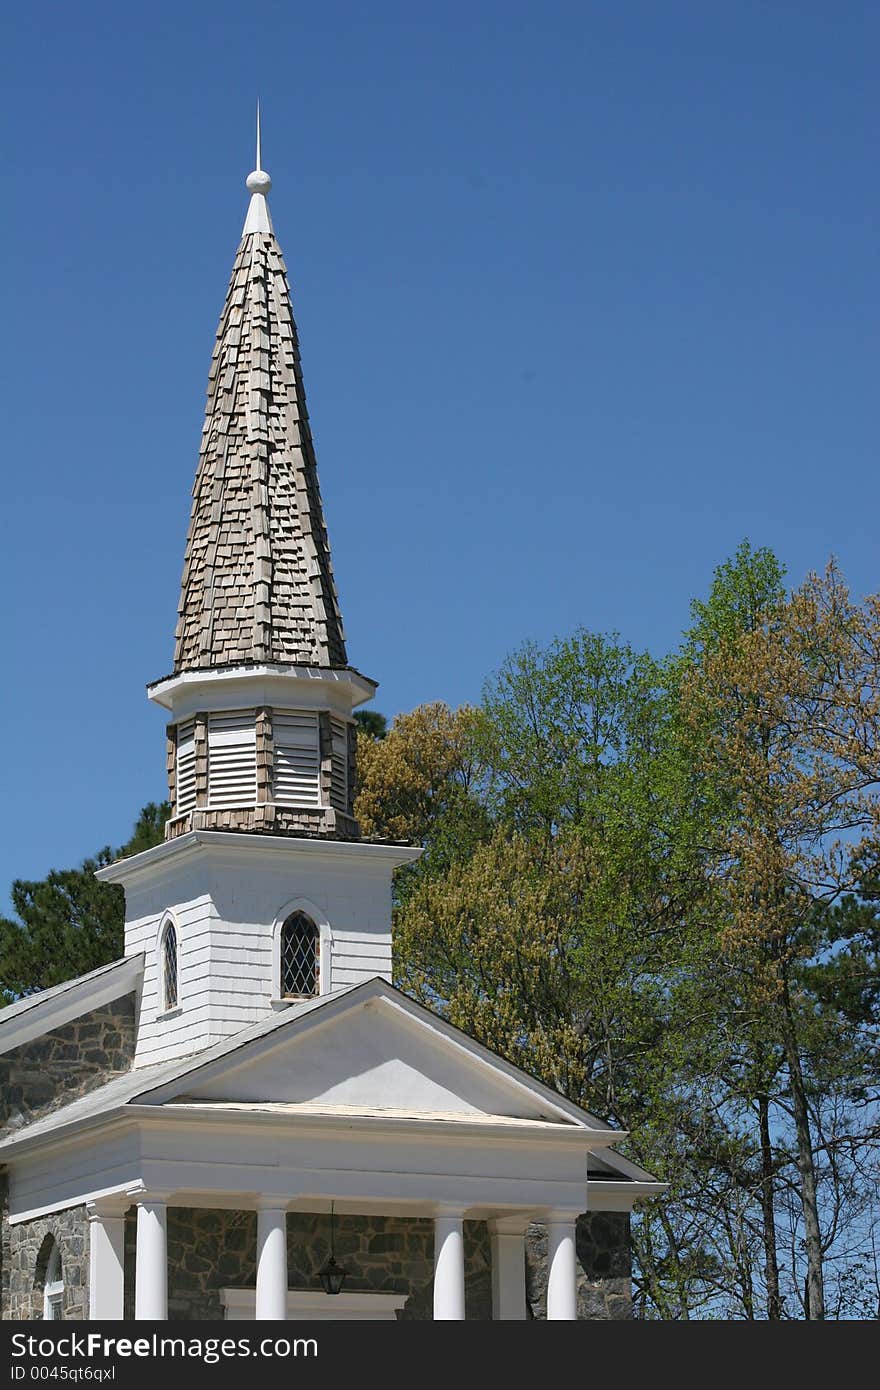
x=332, y=1276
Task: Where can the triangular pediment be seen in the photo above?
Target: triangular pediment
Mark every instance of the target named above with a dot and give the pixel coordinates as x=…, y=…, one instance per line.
x=371, y=1051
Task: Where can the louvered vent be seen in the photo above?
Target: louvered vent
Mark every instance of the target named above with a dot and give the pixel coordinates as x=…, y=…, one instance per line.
x=186, y=767
x=297, y=762
x=339, y=765
x=232, y=760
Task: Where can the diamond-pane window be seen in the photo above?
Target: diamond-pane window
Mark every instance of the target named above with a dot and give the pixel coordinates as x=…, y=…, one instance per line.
x=300, y=957
x=169, y=968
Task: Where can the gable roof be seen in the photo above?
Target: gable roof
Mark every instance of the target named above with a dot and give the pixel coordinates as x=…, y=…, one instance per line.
x=36, y=1014
x=175, y=1086
x=252, y=1044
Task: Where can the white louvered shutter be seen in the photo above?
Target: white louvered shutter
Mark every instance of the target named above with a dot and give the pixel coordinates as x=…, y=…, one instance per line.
x=297, y=761
x=232, y=759
x=185, y=797
x=339, y=765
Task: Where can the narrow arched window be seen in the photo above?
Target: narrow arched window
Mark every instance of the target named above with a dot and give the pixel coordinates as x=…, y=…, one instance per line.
x=300, y=957
x=168, y=956
x=53, y=1287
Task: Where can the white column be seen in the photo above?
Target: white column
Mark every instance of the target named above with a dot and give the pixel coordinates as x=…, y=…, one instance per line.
x=271, y=1263
x=449, y=1266
x=561, y=1267
x=151, y=1272
x=507, y=1236
x=106, y=1260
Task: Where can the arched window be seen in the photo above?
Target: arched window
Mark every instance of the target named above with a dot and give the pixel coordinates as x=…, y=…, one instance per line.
x=300, y=957
x=168, y=967
x=53, y=1286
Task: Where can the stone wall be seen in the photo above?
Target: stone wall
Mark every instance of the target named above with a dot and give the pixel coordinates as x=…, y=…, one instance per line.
x=210, y=1250
x=25, y=1254
x=60, y=1066
x=604, y=1257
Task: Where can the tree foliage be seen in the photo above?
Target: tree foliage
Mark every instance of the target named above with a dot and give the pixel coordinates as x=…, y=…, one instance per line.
x=654, y=884
x=69, y=922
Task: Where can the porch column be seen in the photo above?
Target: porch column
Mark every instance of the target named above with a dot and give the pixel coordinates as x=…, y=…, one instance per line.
x=507, y=1237
x=449, y=1266
x=106, y=1260
x=561, y=1267
x=151, y=1274
x=271, y=1263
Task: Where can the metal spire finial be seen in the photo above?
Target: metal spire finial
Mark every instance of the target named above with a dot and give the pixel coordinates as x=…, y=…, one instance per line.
x=259, y=184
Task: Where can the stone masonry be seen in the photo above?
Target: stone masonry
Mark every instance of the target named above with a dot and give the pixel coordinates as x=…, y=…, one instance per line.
x=24, y=1255
x=604, y=1257
x=60, y=1066
x=35, y=1079
x=210, y=1250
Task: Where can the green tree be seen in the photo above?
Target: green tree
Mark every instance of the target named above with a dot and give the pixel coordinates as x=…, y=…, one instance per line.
x=421, y=783
x=785, y=716
x=69, y=923
x=371, y=722
x=607, y=928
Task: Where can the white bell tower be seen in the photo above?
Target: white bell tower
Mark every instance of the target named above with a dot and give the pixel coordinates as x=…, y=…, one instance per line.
x=263, y=893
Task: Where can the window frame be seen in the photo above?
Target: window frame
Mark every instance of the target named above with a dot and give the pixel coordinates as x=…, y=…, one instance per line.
x=163, y=1008
x=325, y=950
x=53, y=1286
x=308, y=955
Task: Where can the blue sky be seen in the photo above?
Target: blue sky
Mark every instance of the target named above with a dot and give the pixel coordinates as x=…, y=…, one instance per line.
x=586, y=293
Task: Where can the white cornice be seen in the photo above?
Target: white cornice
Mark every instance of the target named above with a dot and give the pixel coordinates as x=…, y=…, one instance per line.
x=201, y=1120
x=273, y=683
x=244, y=847
x=193, y=1117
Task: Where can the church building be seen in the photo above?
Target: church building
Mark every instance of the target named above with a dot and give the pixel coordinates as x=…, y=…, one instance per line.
x=242, y=1117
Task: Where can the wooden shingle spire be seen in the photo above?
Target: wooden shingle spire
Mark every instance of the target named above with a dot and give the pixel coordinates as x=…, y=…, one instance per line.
x=257, y=581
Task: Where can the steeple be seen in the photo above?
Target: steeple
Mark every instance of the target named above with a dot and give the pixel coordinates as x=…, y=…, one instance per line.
x=257, y=576
x=261, y=695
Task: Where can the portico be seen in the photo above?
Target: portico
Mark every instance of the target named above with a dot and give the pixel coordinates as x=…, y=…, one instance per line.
x=293, y=1115
x=273, y=1294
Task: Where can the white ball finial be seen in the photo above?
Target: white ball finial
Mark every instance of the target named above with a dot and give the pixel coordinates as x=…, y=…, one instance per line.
x=259, y=182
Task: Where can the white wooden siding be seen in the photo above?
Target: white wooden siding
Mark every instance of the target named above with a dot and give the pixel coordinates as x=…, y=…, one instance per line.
x=226, y=914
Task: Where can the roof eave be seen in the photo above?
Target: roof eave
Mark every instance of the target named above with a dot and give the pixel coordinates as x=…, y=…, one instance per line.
x=167, y=691
x=61, y=1004
x=256, y=845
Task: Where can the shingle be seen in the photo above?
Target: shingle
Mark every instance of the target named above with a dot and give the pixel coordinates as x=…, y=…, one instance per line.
x=257, y=463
